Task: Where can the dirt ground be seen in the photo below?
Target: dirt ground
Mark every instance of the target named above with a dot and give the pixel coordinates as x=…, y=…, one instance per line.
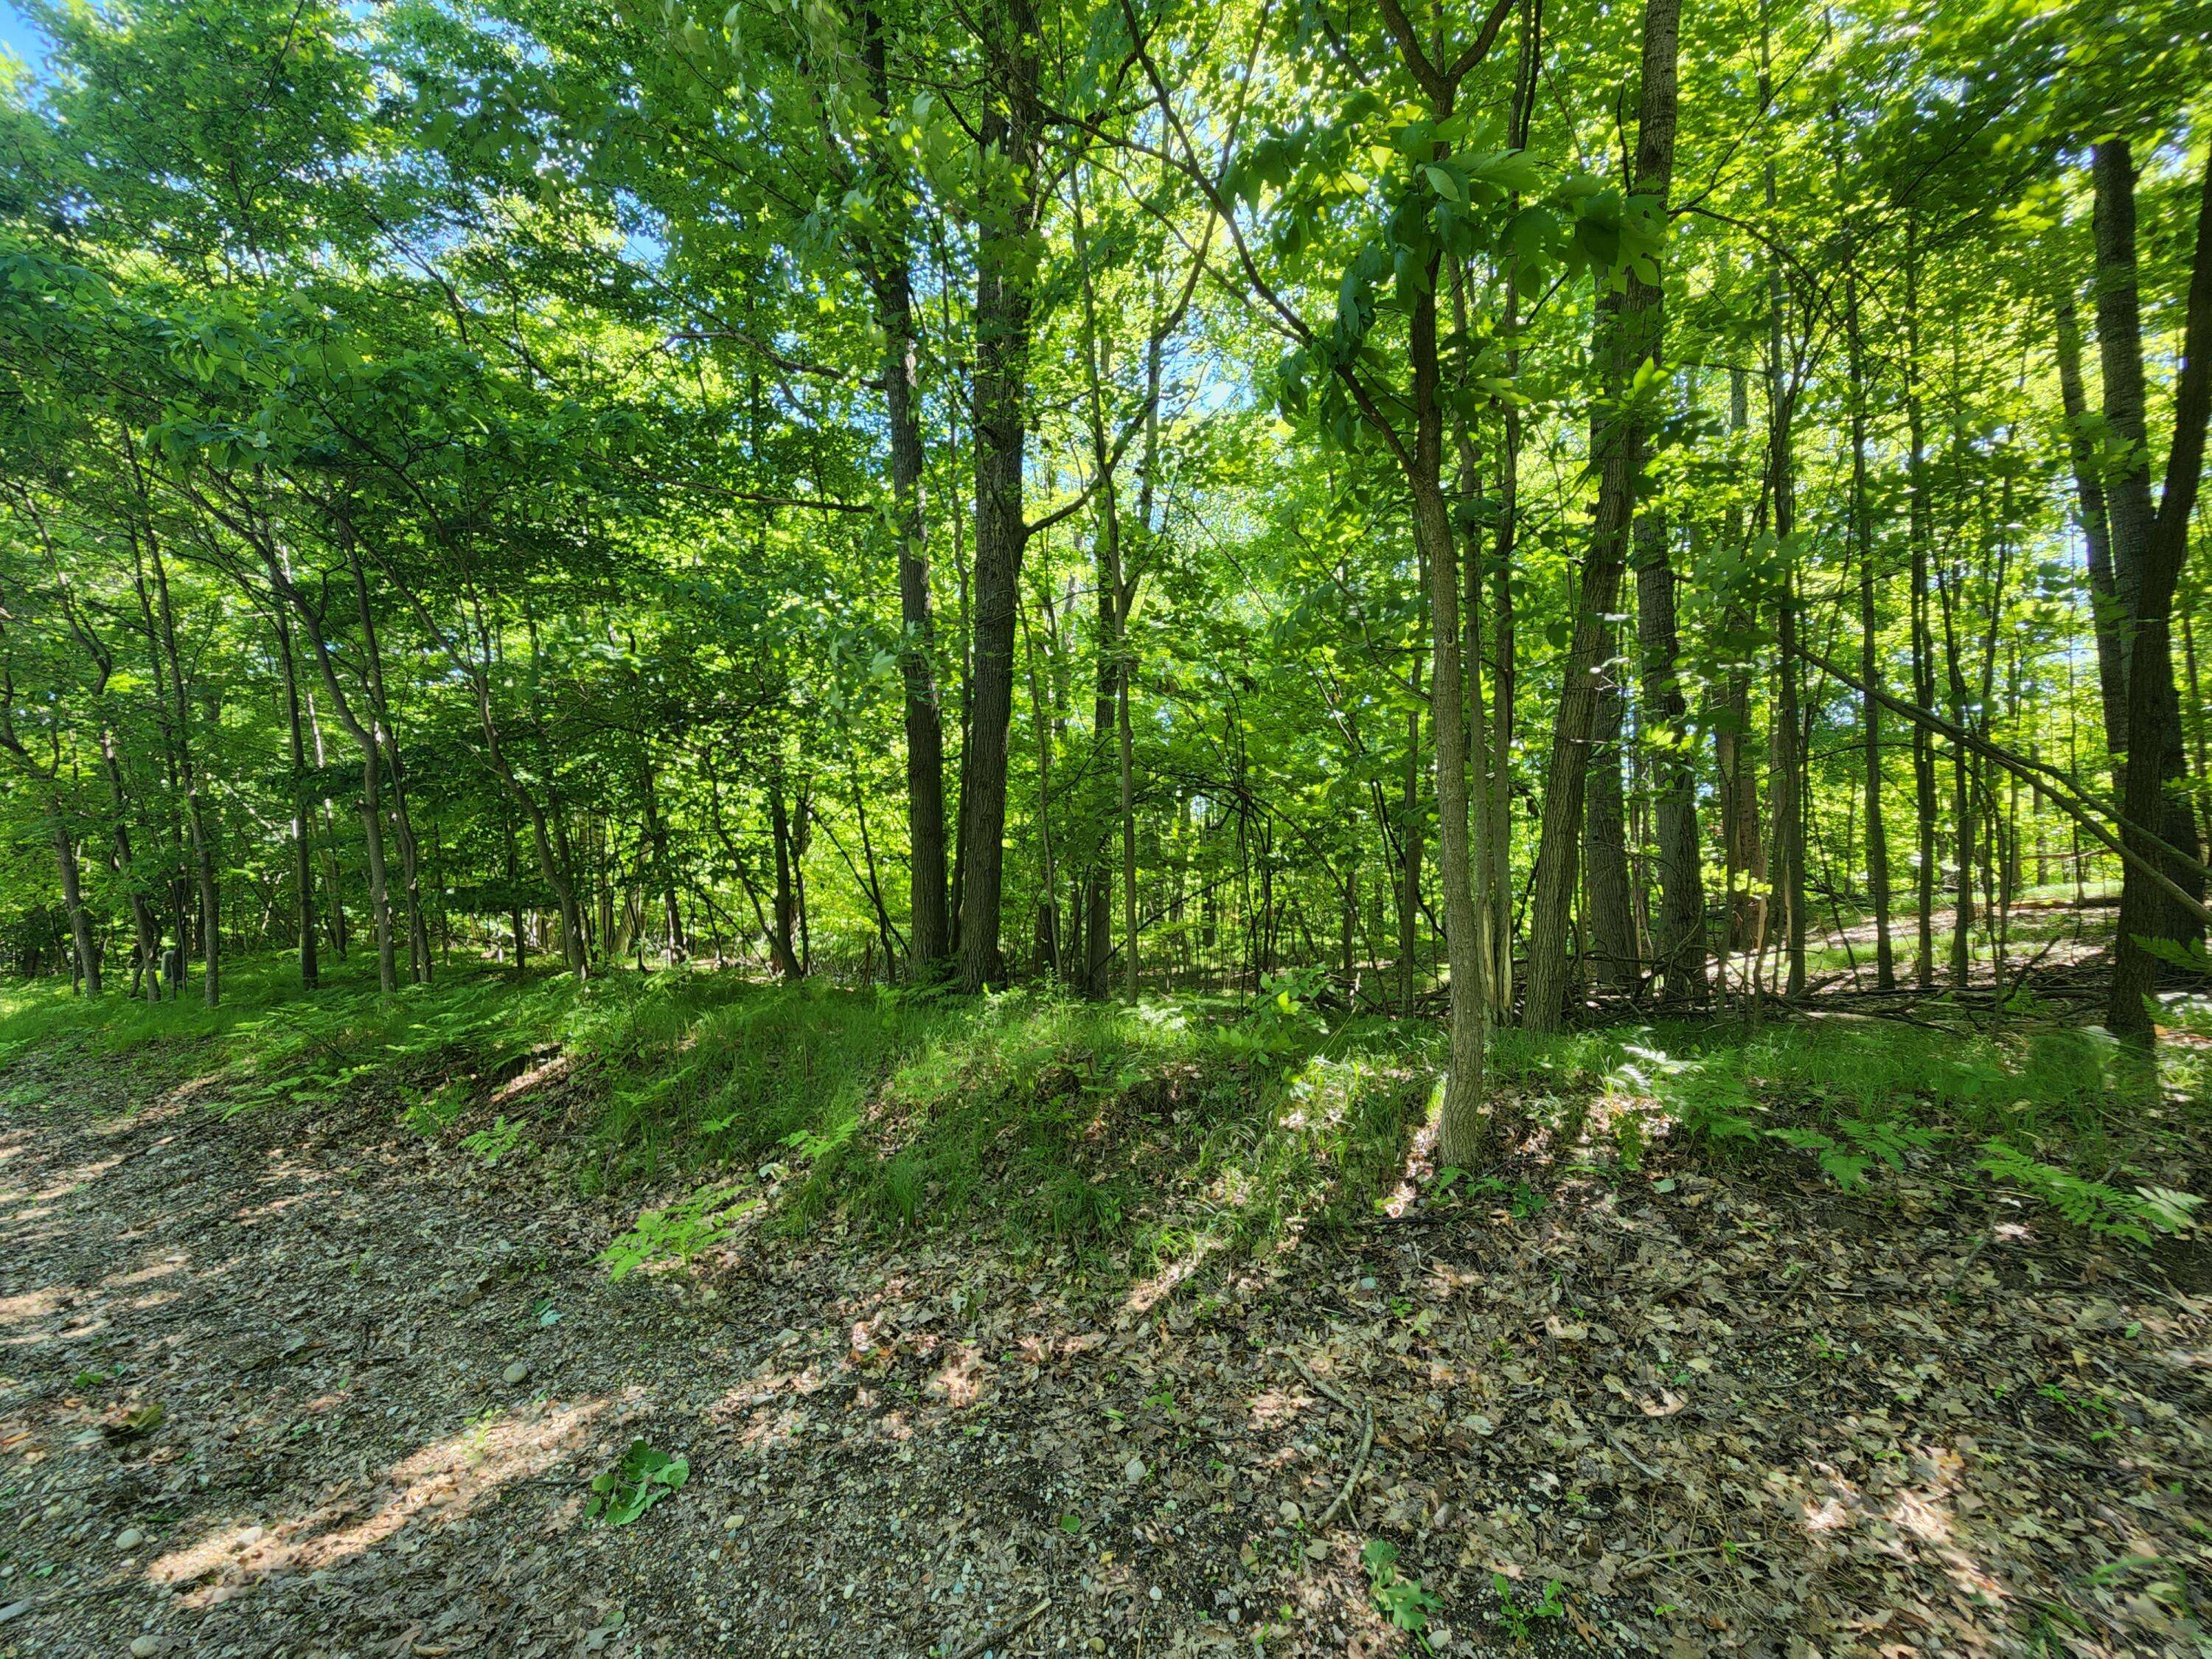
x=302, y=1384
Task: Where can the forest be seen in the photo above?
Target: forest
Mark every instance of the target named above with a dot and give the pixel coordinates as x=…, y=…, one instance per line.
x=1013, y=826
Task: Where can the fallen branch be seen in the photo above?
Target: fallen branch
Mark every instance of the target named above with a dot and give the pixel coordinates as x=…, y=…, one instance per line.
x=2047, y=782
x=1004, y=1632
x=1366, y=1439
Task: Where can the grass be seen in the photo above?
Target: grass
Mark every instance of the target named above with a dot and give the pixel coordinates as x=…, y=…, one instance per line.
x=1166, y=1133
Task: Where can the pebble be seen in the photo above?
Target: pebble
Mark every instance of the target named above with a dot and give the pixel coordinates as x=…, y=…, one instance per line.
x=128, y=1539
x=144, y=1647
x=1134, y=1470
x=518, y=1372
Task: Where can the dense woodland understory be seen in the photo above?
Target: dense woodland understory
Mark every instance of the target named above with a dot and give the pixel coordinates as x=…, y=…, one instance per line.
x=894, y=827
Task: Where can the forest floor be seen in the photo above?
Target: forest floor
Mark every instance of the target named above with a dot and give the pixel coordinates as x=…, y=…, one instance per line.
x=303, y=1381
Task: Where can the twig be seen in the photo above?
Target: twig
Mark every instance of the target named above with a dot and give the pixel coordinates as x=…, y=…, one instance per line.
x=1959, y=1272
x=1731, y=1548
x=1366, y=1440
x=1620, y=1446
x=1005, y=1632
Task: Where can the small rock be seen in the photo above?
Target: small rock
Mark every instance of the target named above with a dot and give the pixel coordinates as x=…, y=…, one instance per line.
x=1133, y=1471
x=515, y=1374
x=128, y=1539
x=250, y=1537
x=144, y=1647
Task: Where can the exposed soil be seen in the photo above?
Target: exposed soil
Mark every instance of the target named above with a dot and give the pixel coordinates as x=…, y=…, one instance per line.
x=1723, y=1412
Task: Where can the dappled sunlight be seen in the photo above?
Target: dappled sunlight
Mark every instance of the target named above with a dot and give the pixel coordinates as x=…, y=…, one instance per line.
x=433, y=1487
x=1419, y=1161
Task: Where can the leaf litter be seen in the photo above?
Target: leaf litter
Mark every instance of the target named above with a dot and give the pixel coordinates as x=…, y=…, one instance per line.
x=1669, y=1411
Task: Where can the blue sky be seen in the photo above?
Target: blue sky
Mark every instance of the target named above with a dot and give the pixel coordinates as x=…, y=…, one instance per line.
x=17, y=36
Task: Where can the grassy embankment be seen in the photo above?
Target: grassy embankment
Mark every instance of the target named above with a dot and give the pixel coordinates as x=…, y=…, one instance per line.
x=1152, y=1135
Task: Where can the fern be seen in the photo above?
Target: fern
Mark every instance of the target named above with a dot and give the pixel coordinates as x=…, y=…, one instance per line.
x=680, y=1231
x=2099, y=1208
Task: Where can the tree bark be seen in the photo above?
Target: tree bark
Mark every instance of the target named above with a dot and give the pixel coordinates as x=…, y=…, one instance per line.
x=2148, y=548
x=1004, y=302
x=1678, y=943
x=1634, y=333
x=929, y=938
x=1863, y=540
x=303, y=866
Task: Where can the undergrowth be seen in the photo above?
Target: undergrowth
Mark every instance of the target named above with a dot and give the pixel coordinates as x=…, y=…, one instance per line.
x=1166, y=1133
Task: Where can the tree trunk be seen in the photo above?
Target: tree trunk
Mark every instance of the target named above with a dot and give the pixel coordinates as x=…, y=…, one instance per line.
x=1678, y=943
x=788, y=963
x=1634, y=337
x=1611, y=919
x=1877, y=858
x=196, y=818
x=403, y=822
x=303, y=866
x=1004, y=302
x=2091, y=513
x=80, y=921
x=929, y=941
x=1409, y=865
x=1919, y=522
x=2148, y=548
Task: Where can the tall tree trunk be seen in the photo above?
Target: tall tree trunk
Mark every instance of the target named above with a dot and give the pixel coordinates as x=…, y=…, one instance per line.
x=1788, y=732
x=80, y=920
x=787, y=961
x=1635, y=336
x=2150, y=546
x=1678, y=943
x=2105, y=609
x=656, y=831
x=1877, y=858
x=195, y=816
x=303, y=866
x=929, y=939
x=1919, y=530
x=1743, y=849
x=1004, y=302
x=402, y=821
x=1611, y=919
x=1409, y=865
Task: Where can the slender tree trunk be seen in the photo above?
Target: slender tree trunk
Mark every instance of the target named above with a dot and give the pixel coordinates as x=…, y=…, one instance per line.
x=1919, y=529
x=929, y=941
x=1618, y=449
x=195, y=816
x=403, y=822
x=1743, y=849
x=303, y=864
x=1679, y=936
x=1877, y=857
x=1788, y=734
x=2091, y=513
x=1606, y=900
x=656, y=830
x=787, y=961
x=1409, y=867
x=80, y=920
